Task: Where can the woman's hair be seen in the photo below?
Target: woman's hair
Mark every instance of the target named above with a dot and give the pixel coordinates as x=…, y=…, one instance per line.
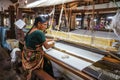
x=41, y=19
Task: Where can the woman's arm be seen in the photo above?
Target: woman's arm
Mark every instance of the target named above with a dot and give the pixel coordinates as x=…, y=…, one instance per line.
x=48, y=44
x=47, y=39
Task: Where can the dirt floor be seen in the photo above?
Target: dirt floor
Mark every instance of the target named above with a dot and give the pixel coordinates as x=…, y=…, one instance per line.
x=6, y=71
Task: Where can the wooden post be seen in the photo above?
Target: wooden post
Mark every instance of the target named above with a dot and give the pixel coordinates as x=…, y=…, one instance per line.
x=19, y=32
x=82, y=19
x=73, y=17
x=69, y=19
x=1, y=18
x=93, y=16
x=12, y=20
x=57, y=18
x=66, y=19
x=98, y=18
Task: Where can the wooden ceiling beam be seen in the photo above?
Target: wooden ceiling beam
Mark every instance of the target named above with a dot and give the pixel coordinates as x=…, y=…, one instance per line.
x=73, y=5
x=14, y=1
x=96, y=10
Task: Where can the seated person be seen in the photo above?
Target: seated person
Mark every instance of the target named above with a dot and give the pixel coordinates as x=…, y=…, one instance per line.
x=34, y=40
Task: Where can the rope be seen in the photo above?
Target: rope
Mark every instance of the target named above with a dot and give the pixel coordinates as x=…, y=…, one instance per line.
x=69, y=18
x=92, y=24
x=67, y=24
x=58, y=27
x=53, y=12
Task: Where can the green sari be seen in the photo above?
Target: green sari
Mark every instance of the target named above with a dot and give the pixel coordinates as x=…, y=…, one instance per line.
x=38, y=38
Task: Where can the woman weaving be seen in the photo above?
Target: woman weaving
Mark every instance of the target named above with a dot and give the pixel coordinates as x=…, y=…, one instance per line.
x=32, y=56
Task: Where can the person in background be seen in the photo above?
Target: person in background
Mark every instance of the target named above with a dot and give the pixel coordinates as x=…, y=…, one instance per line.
x=32, y=56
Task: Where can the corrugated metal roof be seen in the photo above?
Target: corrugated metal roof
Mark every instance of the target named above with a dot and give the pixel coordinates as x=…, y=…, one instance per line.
x=41, y=3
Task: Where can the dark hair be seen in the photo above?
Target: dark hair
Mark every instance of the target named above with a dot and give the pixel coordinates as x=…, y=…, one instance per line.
x=41, y=19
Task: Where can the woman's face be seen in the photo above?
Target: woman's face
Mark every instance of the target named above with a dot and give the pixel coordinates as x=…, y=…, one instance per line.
x=42, y=26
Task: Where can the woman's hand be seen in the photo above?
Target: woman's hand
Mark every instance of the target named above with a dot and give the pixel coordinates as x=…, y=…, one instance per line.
x=48, y=44
x=54, y=39
x=51, y=43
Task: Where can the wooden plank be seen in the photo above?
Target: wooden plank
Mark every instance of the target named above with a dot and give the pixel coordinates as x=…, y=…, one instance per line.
x=42, y=75
x=112, y=60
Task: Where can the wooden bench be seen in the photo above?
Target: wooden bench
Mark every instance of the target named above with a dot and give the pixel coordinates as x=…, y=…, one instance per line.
x=42, y=75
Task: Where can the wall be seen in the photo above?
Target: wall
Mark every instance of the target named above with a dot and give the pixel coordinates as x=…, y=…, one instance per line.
x=4, y=4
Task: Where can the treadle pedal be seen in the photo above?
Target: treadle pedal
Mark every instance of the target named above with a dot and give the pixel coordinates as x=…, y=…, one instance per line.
x=91, y=72
x=100, y=74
